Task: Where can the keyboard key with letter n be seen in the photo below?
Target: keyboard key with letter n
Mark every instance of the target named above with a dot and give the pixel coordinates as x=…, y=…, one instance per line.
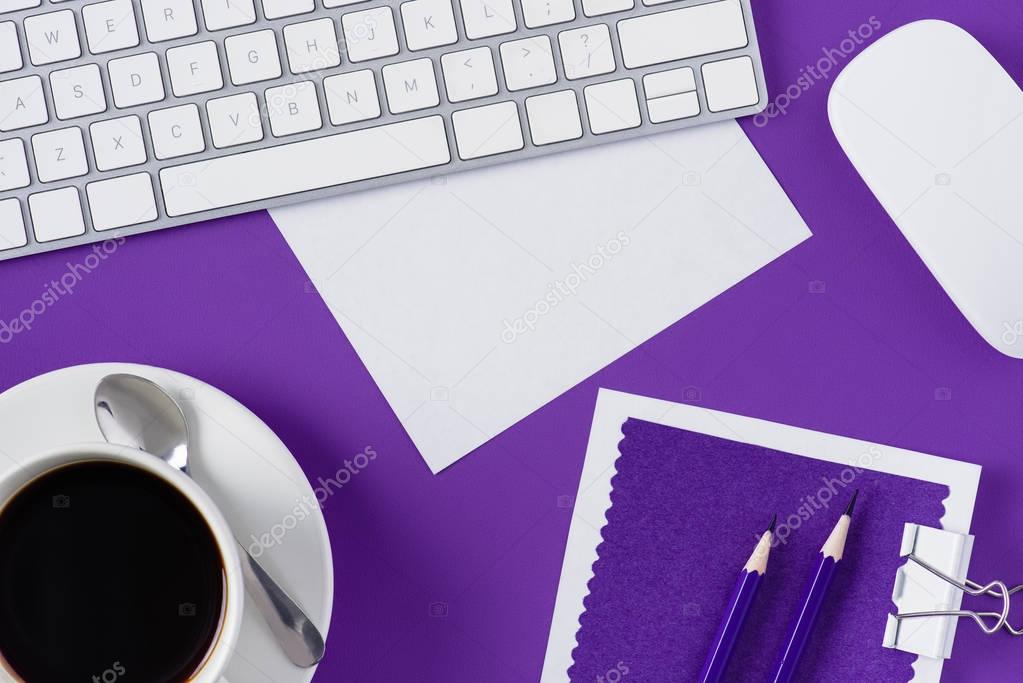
x=310, y=165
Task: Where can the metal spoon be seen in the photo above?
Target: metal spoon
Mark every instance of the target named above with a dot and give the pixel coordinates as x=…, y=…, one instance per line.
x=132, y=411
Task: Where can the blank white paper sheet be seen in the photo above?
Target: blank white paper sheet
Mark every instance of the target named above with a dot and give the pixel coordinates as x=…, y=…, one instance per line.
x=475, y=298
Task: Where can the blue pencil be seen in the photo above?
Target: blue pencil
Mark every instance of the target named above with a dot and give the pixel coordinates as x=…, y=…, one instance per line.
x=814, y=597
x=737, y=608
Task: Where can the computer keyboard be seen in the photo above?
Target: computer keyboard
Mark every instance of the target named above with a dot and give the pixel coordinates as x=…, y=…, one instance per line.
x=124, y=116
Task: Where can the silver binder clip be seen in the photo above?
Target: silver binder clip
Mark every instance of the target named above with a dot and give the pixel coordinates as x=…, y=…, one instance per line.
x=929, y=590
x=997, y=589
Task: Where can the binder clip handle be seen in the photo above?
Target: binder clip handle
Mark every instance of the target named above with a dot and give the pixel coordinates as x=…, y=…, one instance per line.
x=997, y=589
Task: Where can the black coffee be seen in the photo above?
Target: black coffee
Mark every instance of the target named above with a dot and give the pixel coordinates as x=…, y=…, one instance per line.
x=107, y=573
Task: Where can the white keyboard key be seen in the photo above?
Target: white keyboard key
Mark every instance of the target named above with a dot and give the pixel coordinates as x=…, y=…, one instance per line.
x=176, y=131
x=117, y=143
x=275, y=9
x=12, y=225
x=10, y=48
x=586, y=51
x=595, y=8
x=293, y=108
x=52, y=37
x=169, y=19
x=110, y=26
x=22, y=103
x=234, y=120
x=370, y=34
x=351, y=97
x=59, y=154
x=410, y=86
x=670, y=82
x=56, y=214
x=553, y=117
x=537, y=13
x=312, y=46
x=120, y=202
x=469, y=74
x=673, y=107
x=135, y=80
x=13, y=165
x=730, y=84
x=612, y=106
x=253, y=57
x=485, y=18
x=194, y=69
x=428, y=23
x=77, y=91
x=15, y=5
x=256, y=175
x=487, y=130
x=528, y=63
x=221, y=14
x=340, y=3
x=682, y=33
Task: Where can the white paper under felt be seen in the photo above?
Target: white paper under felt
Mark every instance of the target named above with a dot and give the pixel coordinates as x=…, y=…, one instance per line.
x=594, y=497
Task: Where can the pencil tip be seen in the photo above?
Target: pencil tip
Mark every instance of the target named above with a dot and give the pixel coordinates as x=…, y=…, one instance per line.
x=849, y=509
x=770, y=529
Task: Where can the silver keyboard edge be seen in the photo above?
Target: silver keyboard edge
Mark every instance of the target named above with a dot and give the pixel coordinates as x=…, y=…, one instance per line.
x=445, y=108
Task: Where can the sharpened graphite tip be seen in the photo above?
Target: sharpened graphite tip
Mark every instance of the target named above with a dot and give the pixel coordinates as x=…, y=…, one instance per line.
x=849, y=509
x=770, y=528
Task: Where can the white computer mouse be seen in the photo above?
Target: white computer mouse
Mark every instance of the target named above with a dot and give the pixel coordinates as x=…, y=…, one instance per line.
x=934, y=125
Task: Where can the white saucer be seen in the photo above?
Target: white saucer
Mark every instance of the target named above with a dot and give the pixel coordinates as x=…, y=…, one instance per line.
x=240, y=463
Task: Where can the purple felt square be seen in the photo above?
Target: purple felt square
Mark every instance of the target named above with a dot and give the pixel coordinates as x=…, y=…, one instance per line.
x=686, y=510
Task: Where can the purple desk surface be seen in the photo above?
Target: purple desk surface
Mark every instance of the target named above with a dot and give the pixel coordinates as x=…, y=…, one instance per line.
x=452, y=577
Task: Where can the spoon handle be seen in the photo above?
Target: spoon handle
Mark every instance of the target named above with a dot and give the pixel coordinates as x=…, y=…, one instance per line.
x=299, y=638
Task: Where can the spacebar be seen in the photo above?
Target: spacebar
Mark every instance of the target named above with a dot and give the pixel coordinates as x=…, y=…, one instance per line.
x=307, y=165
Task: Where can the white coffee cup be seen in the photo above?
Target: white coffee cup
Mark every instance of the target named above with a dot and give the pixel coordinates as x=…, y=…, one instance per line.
x=229, y=628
